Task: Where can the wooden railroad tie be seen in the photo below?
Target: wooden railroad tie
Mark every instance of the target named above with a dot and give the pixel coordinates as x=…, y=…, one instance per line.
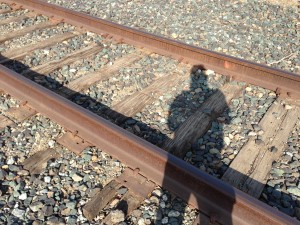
x=198, y=123
x=37, y=163
x=15, y=115
x=250, y=168
x=138, y=189
x=29, y=29
x=14, y=54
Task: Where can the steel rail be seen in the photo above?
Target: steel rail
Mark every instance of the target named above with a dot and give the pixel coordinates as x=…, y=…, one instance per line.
x=282, y=82
x=210, y=195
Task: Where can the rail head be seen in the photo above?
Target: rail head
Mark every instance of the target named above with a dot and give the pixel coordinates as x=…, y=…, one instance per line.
x=283, y=82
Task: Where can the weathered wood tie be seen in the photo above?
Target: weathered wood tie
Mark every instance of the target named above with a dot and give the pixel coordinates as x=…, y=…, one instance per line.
x=55, y=64
x=250, y=168
x=37, y=163
x=25, y=50
x=16, y=114
x=5, y=122
x=138, y=189
x=29, y=29
x=20, y=113
x=14, y=19
x=100, y=200
x=139, y=100
x=198, y=123
x=4, y=11
x=128, y=203
x=104, y=73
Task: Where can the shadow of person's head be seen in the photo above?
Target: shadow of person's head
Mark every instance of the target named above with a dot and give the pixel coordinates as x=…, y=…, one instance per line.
x=200, y=86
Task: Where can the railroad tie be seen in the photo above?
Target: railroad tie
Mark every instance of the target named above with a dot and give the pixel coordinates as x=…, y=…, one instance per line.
x=15, y=115
x=102, y=74
x=14, y=19
x=128, y=203
x=198, y=123
x=138, y=189
x=5, y=122
x=29, y=29
x=4, y=11
x=37, y=163
x=27, y=49
x=250, y=168
x=135, y=103
x=70, y=58
x=100, y=200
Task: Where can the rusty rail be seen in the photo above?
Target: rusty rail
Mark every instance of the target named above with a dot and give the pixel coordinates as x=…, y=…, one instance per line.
x=210, y=195
x=284, y=83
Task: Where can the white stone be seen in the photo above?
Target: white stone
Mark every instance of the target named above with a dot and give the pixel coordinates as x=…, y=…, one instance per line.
x=10, y=161
x=23, y=196
x=154, y=199
x=294, y=191
x=261, y=132
x=141, y=221
x=248, y=89
x=260, y=95
x=209, y=72
x=174, y=35
x=251, y=133
x=51, y=143
x=18, y=213
x=162, y=120
x=227, y=140
x=157, y=192
x=47, y=179
x=76, y=177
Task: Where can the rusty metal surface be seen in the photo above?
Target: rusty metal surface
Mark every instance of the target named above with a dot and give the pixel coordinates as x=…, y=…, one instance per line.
x=73, y=142
x=211, y=196
x=283, y=82
x=138, y=184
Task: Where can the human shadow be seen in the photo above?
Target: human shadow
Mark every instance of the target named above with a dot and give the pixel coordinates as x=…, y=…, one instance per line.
x=187, y=98
x=186, y=143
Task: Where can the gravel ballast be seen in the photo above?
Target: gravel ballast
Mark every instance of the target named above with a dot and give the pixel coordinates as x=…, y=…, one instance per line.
x=262, y=31
x=58, y=194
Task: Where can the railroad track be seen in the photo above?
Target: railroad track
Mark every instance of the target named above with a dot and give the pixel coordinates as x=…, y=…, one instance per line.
x=189, y=90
